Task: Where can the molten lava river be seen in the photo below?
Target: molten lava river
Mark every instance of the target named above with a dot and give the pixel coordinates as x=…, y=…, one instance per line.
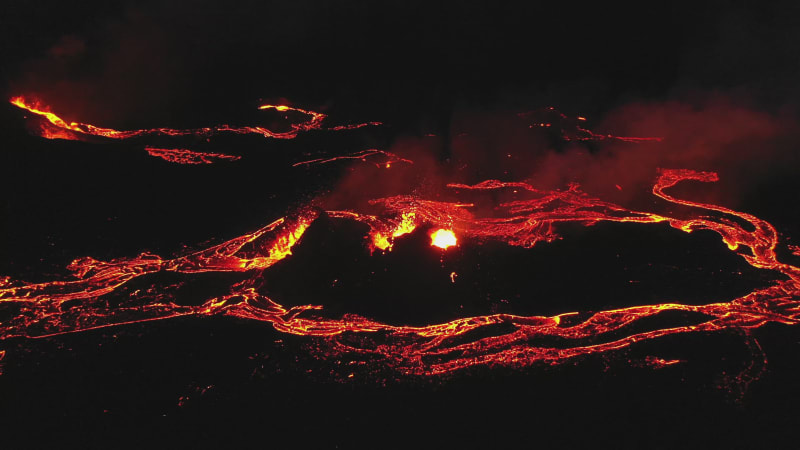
x=452, y=236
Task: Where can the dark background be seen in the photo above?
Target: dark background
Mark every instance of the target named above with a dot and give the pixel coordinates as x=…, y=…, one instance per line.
x=412, y=65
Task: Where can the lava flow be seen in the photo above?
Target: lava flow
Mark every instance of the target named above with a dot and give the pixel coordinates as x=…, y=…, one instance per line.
x=186, y=156
x=54, y=127
x=98, y=295
x=74, y=130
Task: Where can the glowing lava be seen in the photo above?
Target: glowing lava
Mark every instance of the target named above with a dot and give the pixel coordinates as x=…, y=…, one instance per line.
x=97, y=295
x=61, y=129
x=75, y=130
x=382, y=236
x=186, y=156
x=443, y=238
x=54, y=127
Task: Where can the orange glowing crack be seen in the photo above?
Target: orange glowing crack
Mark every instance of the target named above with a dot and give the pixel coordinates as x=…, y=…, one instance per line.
x=85, y=301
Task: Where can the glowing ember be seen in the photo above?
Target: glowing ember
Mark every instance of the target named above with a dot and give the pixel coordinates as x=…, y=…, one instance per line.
x=443, y=238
